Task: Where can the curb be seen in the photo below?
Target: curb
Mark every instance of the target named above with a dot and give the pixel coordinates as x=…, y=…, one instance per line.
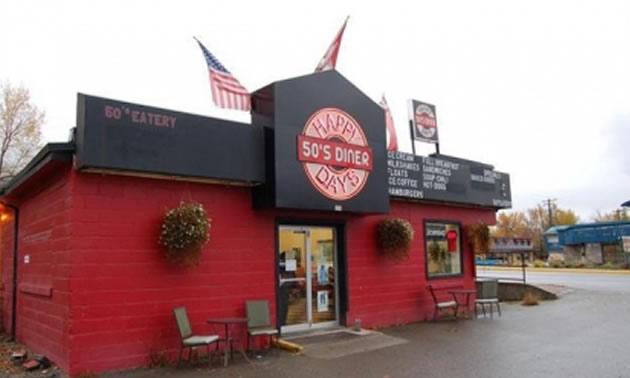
x=547, y=270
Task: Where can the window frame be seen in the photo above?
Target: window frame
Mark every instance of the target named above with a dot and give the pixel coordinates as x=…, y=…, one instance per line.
x=426, y=249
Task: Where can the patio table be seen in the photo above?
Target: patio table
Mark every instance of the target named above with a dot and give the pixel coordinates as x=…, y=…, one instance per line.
x=463, y=292
x=230, y=339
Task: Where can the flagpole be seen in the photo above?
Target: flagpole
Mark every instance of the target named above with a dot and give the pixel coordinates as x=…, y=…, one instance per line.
x=413, y=143
x=411, y=134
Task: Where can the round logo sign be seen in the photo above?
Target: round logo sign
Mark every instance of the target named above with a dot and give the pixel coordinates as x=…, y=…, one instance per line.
x=335, y=154
x=425, y=121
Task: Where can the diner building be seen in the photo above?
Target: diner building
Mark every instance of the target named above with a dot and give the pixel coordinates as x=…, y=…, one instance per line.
x=294, y=199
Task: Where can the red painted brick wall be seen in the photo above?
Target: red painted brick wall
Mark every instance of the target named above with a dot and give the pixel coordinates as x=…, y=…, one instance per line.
x=43, y=284
x=385, y=292
x=122, y=292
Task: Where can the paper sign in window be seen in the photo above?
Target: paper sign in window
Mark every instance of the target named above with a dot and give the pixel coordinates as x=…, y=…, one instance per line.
x=322, y=301
x=290, y=265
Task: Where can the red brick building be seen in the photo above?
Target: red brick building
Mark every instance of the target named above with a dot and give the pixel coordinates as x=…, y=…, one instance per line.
x=93, y=292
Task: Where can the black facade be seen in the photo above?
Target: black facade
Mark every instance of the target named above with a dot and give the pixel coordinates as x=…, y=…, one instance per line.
x=316, y=142
x=122, y=136
x=284, y=108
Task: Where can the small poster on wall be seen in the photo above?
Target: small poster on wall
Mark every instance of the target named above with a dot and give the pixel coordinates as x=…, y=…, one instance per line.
x=322, y=301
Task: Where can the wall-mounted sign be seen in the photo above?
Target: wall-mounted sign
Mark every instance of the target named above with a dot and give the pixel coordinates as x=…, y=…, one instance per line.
x=447, y=179
x=435, y=232
x=122, y=136
x=335, y=154
x=325, y=143
x=424, y=121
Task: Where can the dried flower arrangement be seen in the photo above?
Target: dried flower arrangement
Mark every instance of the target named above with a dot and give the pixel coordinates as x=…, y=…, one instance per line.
x=185, y=230
x=393, y=237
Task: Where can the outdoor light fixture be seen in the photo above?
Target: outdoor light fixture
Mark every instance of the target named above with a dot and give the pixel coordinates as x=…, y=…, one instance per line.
x=4, y=213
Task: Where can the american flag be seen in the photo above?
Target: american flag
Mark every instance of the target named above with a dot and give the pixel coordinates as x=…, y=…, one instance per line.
x=329, y=60
x=227, y=92
x=389, y=123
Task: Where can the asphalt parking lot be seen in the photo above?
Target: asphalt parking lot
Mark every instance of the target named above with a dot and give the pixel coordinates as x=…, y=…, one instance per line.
x=582, y=334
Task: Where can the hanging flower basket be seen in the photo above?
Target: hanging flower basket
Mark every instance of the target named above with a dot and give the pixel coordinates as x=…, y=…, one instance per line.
x=393, y=237
x=185, y=229
x=478, y=235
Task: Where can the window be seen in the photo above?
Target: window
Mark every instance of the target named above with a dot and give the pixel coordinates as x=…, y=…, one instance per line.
x=443, y=249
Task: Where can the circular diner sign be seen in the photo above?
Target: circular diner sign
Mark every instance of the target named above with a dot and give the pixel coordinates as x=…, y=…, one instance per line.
x=335, y=154
x=425, y=121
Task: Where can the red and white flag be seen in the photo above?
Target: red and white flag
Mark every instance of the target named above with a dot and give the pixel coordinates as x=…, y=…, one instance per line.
x=227, y=92
x=329, y=60
x=392, y=144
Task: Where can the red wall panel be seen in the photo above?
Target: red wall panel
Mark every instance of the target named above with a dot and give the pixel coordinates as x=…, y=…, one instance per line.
x=124, y=292
x=43, y=305
x=385, y=292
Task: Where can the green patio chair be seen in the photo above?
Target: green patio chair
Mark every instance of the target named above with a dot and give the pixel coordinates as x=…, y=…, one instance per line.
x=189, y=340
x=488, y=296
x=259, y=321
x=442, y=305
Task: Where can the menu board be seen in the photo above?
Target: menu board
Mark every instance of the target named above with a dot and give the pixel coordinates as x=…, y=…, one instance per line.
x=447, y=179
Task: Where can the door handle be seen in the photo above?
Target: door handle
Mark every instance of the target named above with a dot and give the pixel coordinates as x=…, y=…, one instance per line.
x=292, y=279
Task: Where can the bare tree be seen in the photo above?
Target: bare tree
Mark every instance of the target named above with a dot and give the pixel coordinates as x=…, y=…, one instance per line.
x=613, y=216
x=20, y=129
x=532, y=224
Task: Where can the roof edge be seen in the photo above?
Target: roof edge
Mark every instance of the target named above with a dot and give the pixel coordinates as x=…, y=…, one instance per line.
x=50, y=151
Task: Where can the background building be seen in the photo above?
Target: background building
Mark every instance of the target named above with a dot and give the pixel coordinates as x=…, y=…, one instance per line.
x=595, y=243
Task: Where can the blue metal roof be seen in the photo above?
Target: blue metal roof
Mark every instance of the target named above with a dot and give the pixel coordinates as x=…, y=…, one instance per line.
x=604, y=232
x=555, y=229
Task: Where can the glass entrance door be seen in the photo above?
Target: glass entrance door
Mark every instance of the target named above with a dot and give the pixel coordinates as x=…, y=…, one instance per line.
x=307, y=289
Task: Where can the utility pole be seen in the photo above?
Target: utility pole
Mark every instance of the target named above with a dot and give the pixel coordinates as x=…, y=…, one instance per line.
x=548, y=202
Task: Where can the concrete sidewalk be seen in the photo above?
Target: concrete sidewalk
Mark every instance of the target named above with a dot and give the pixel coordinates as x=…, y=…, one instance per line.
x=581, y=335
